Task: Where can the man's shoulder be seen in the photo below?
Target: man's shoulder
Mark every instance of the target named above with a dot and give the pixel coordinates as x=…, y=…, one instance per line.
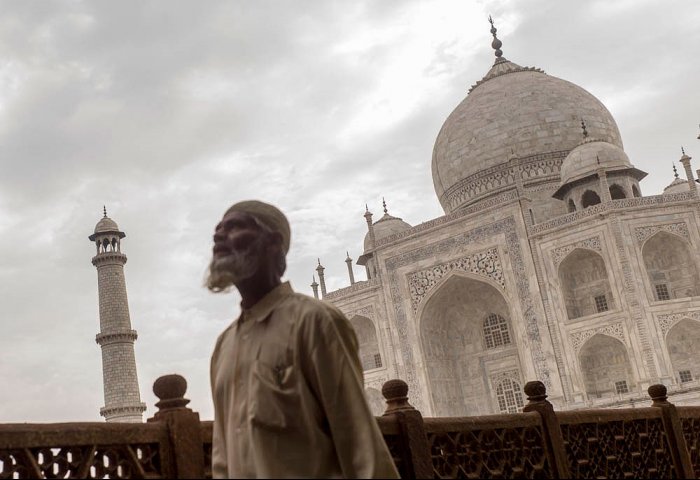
x=316, y=313
x=313, y=305
x=221, y=337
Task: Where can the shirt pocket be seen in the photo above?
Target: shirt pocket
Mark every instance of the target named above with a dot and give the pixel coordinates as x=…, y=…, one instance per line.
x=274, y=401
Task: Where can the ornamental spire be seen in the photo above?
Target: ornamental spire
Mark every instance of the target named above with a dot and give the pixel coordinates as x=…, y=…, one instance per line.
x=384, y=205
x=104, y=209
x=496, y=44
x=675, y=172
x=585, y=132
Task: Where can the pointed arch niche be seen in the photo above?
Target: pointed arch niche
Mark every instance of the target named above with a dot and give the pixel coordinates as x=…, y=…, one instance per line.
x=585, y=284
x=452, y=332
x=670, y=266
x=370, y=356
x=683, y=342
x=605, y=367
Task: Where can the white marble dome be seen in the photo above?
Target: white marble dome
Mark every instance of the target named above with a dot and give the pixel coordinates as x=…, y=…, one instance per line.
x=386, y=226
x=590, y=155
x=106, y=224
x=678, y=185
x=513, y=110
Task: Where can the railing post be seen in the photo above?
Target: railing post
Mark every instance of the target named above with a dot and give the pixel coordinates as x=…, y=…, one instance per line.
x=674, y=431
x=184, y=430
x=554, y=441
x=414, y=442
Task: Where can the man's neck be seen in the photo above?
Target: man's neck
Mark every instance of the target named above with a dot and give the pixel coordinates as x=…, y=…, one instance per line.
x=254, y=290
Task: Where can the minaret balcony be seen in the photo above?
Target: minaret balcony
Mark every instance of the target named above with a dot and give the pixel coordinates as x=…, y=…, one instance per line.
x=124, y=336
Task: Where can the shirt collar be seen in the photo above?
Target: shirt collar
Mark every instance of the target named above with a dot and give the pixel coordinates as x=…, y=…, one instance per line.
x=265, y=306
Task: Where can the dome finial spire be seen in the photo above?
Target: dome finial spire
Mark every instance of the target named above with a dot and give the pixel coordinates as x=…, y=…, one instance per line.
x=384, y=205
x=675, y=172
x=104, y=209
x=496, y=44
x=583, y=126
x=682, y=150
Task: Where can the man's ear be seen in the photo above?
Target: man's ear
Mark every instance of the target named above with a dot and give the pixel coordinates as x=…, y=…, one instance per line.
x=276, y=239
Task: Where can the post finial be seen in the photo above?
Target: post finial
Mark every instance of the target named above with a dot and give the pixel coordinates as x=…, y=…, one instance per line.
x=384, y=205
x=583, y=126
x=675, y=172
x=682, y=150
x=496, y=44
x=104, y=210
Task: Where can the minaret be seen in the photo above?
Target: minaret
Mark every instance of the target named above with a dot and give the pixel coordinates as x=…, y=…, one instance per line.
x=321, y=278
x=370, y=225
x=314, y=287
x=685, y=161
x=116, y=338
x=348, y=261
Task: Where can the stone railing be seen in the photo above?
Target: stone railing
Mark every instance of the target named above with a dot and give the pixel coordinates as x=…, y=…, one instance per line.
x=354, y=288
x=660, y=441
x=611, y=206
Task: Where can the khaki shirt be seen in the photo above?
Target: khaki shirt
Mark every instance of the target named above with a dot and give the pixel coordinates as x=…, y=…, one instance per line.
x=288, y=395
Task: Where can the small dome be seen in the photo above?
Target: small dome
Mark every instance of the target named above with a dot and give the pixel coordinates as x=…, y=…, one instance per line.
x=106, y=224
x=386, y=226
x=591, y=155
x=678, y=185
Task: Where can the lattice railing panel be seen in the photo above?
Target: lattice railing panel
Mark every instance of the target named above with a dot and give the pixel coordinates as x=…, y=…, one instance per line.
x=691, y=433
x=397, y=450
x=207, y=459
x=516, y=452
x=88, y=461
x=630, y=448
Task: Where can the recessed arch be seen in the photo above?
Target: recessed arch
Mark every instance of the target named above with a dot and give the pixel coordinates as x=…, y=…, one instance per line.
x=617, y=192
x=509, y=396
x=452, y=342
x=605, y=367
x=635, y=192
x=571, y=205
x=670, y=267
x=585, y=286
x=682, y=342
x=449, y=277
x=589, y=198
x=370, y=355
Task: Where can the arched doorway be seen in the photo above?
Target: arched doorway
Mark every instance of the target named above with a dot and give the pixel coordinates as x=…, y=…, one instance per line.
x=584, y=283
x=589, y=199
x=617, y=192
x=670, y=266
x=463, y=323
x=605, y=367
x=682, y=342
x=367, y=340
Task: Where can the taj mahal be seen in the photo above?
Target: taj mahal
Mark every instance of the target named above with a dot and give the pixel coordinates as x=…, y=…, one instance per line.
x=548, y=264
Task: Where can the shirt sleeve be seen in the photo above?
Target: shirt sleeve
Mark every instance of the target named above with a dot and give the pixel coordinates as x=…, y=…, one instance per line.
x=219, y=467
x=334, y=372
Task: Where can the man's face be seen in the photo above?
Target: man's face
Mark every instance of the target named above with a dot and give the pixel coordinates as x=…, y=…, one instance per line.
x=237, y=252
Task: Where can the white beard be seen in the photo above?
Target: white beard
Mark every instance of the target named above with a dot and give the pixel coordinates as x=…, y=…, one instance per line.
x=233, y=268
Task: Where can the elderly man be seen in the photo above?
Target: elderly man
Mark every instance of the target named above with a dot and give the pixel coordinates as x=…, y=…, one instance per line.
x=286, y=378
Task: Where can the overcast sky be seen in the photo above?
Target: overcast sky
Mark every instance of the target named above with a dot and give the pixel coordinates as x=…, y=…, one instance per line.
x=167, y=112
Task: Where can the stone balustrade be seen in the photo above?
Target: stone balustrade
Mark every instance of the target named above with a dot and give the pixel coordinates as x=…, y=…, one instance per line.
x=659, y=441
